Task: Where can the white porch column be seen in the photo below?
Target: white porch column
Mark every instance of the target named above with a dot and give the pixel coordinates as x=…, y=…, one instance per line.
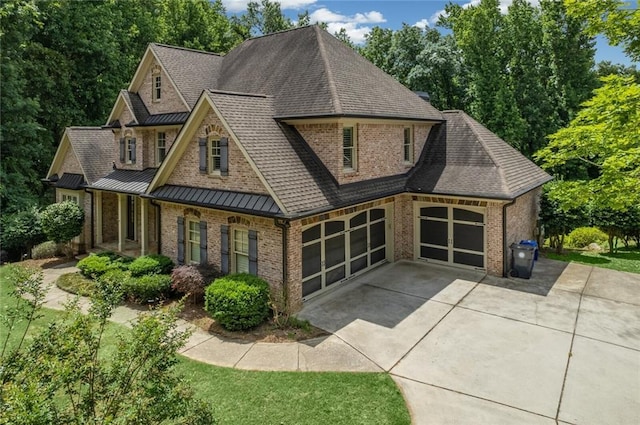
x=122, y=220
x=144, y=225
x=97, y=199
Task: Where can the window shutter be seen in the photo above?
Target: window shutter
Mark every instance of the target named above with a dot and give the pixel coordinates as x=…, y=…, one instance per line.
x=224, y=156
x=122, y=149
x=202, y=142
x=180, y=240
x=253, y=252
x=203, y=242
x=133, y=150
x=224, y=249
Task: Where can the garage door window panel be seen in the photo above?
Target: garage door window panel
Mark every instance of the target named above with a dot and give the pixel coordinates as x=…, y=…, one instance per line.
x=466, y=215
x=434, y=253
x=358, y=239
x=335, y=275
x=468, y=259
x=359, y=264
x=311, y=259
x=469, y=237
x=312, y=285
x=434, y=232
x=334, y=251
x=435, y=212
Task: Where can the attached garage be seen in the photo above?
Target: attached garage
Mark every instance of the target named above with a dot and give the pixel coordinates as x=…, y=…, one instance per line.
x=451, y=234
x=337, y=249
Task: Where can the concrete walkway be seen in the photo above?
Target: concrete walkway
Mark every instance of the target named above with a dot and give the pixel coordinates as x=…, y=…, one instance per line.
x=560, y=348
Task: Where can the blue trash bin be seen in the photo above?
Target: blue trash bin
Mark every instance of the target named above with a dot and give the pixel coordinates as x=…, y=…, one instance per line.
x=532, y=243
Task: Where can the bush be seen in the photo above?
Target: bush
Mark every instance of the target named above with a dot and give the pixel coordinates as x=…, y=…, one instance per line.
x=148, y=288
x=115, y=277
x=191, y=279
x=583, y=236
x=238, y=302
x=20, y=231
x=150, y=264
x=96, y=265
x=47, y=249
x=62, y=222
x=76, y=283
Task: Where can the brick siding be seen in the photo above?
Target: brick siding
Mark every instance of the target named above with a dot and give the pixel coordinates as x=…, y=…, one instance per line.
x=170, y=100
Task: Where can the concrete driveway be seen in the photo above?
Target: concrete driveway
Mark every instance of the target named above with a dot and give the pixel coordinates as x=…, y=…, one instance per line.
x=465, y=348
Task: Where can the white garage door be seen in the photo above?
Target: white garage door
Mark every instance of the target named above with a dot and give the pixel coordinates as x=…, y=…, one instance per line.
x=335, y=250
x=452, y=235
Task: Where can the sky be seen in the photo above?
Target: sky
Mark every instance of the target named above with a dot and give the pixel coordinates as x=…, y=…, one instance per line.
x=359, y=16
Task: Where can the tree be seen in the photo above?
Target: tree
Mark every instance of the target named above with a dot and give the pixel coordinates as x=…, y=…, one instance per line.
x=65, y=375
x=62, y=221
x=605, y=135
x=555, y=221
x=21, y=231
x=261, y=18
x=377, y=46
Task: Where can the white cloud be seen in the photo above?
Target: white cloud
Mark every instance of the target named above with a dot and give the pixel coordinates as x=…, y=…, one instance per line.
x=422, y=24
x=235, y=6
x=353, y=25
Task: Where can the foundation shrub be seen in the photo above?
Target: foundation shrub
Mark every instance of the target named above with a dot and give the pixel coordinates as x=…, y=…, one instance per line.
x=47, y=249
x=238, y=301
x=151, y=264
x=192, y=279
x=95, y=266
x=583, y=236
x=147, y=288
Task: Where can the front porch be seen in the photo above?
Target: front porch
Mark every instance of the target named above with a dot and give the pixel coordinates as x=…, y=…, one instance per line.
x=130, y=249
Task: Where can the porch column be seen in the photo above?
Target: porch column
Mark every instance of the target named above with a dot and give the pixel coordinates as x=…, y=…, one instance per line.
x=144, y=225
x=122, y=220
x=97, y=199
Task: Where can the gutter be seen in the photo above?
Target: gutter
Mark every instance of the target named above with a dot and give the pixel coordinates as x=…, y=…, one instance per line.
x=284, y=225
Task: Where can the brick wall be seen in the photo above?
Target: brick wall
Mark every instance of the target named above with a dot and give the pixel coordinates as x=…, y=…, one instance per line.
x=170, y=100
x=495, y=247
x=150, y=137
x=522, y=217
x=241, y=176
x=70, y=164
x=109, y=217
x=403, y=227
x=294, y=265
x=380, y=151
x=269, y=237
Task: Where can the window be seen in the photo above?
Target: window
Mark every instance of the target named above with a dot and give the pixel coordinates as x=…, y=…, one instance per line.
x=348, y=148
x=64, y=197
x=193, y=242
x=131, y=151
x=408, y=144
x=241, y=250
x=161, y=147
x=157, y=87
x=214, y=154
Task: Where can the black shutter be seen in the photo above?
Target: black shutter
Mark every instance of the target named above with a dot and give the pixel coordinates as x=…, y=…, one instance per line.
x=180, y=240
x=122, y=149
x=133, y=150
x=203, y=242
x=202, y=142
x=224, y=156
x=224, y=249
x=253, y=252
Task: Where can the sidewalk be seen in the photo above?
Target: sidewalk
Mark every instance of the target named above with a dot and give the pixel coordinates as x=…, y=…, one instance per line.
x=325, y=354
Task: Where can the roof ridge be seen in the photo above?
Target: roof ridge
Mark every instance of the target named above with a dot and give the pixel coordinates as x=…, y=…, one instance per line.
x=169, y=46
x=281, y=32
x=237, y=93
x=79, y=127
x=325, y=60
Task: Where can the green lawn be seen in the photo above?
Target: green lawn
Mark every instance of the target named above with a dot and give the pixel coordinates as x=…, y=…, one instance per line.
x=626, y=260
x=247, y=397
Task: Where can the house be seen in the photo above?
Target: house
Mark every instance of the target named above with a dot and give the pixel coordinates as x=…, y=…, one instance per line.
x=293, y=158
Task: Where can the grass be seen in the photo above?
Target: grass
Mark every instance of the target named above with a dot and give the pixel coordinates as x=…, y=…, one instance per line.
x=250, y=397
x=626, y=260
x=77, y=284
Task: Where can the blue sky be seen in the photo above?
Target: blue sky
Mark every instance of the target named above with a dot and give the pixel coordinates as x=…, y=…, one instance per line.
x=358, y=17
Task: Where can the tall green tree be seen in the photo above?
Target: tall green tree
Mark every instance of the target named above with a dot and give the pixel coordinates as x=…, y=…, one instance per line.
x=261, y=18
x=377, y=46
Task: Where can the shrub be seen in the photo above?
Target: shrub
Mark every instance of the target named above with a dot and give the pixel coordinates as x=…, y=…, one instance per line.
x=95, y=265
x=583, y=236
x=114, y=277
x=192, y=279
x=76, y=283
x=22, y=230
x=47, y=249
x=147, y=288
x=239, y=301
x=150, y=264
x=62, y=222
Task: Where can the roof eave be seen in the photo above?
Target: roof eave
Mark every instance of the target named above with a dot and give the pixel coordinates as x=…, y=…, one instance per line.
x=369, y=116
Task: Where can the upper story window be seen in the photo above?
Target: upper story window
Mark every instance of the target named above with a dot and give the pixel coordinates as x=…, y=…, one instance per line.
x=131, y=151
x=214, y=155
x=408, y=144
x=161, y=147
x=64, y=197
x=156, y=81
x=349, y=145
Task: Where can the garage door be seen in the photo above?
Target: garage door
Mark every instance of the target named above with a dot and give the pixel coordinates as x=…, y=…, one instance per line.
x=335, y=250
x=452, y=235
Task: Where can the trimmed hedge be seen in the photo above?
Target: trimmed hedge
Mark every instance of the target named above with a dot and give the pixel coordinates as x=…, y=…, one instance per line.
x=583, y=236
x=148, y=288
x=238, y=301
x=95, y=266
x=151, y=264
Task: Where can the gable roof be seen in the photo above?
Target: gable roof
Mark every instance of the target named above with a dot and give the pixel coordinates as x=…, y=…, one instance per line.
x=462, y=157
x=192, y=71
x=310, y=73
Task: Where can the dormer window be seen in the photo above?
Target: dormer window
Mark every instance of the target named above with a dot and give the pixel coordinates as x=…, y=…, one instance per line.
x=349, y=145
x=214, y=153
x=156, y=82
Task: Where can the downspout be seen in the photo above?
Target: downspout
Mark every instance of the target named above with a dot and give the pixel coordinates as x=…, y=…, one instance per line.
x=92, y=239
x=284, y=225
x=158, y=226
x=505, y=252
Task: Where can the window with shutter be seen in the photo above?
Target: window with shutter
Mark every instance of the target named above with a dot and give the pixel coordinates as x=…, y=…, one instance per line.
x=193, y=242
x=214, y=154
x=131, y=151
x=241, y=251
x=349, y=148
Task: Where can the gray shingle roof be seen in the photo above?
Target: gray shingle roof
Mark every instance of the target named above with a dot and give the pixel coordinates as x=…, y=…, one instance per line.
x=311, y=73
x=192, y=70
x=136, y=104
x=126, y=181
x=461, y=157
x=219, y=199
x=95, y=150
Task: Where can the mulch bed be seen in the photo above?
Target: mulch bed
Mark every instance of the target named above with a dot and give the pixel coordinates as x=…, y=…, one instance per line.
x=46, y=263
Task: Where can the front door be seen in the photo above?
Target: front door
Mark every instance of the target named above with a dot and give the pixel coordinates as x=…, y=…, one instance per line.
x=131, y=218
x=451, y=234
